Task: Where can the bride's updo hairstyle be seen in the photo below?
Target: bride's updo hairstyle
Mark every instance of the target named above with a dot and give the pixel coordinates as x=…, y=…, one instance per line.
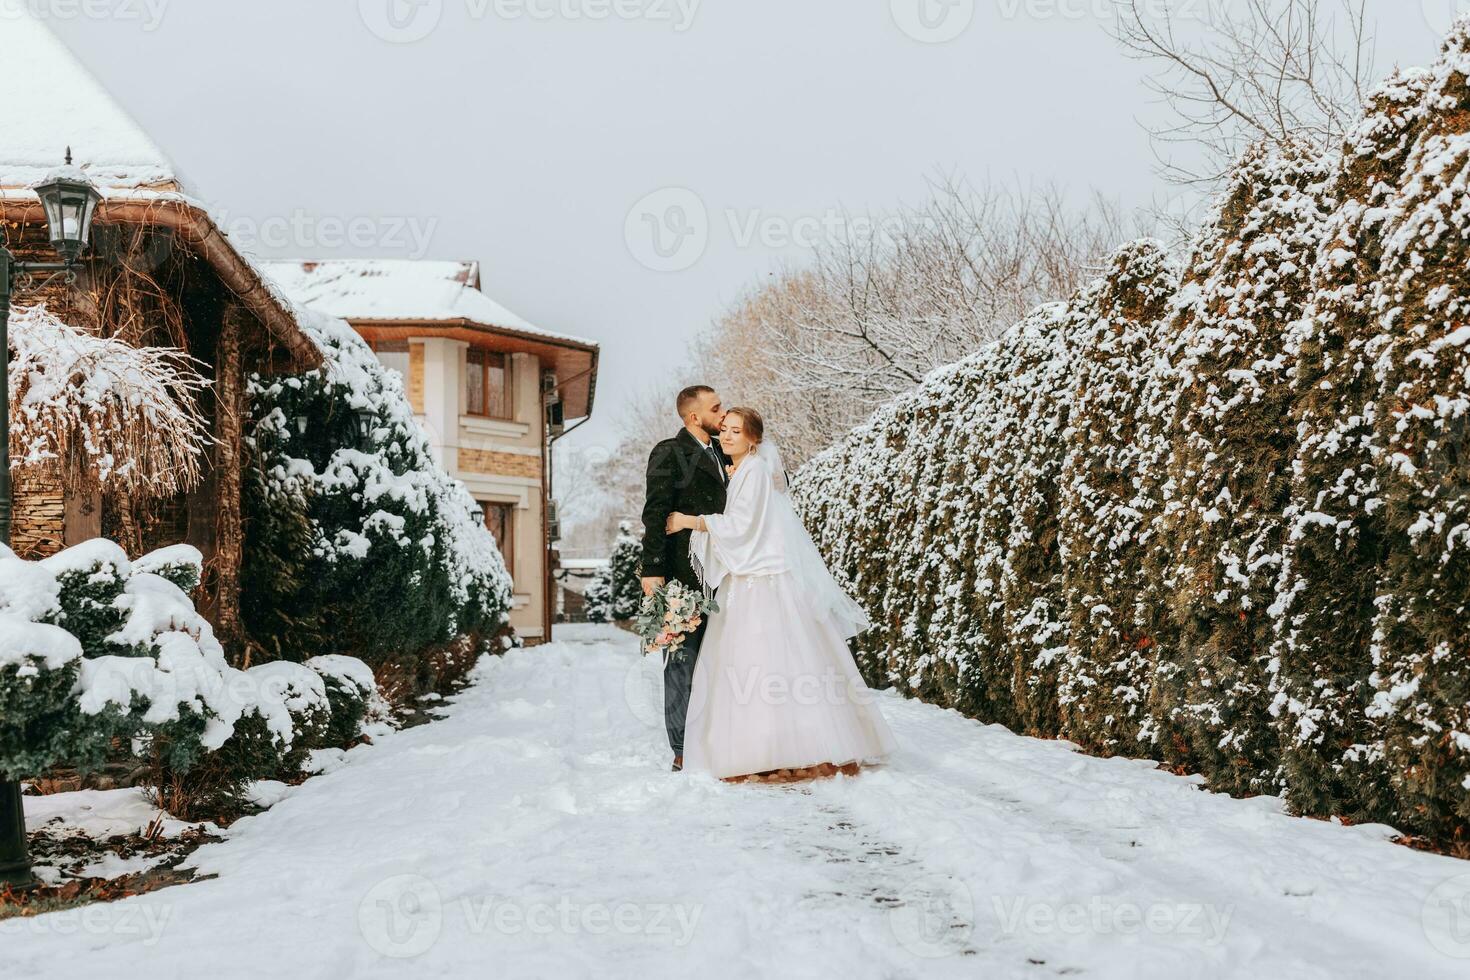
x=753, y=426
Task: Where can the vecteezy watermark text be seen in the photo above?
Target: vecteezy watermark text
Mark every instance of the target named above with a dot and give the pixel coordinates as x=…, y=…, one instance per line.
x=402, y=917
x=148, y=14
x=406, y=21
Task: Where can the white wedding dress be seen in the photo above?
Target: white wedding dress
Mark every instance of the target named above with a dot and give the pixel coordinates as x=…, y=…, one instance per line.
x=775, y=686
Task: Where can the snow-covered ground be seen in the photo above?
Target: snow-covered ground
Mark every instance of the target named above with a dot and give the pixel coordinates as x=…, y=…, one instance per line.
x=536, y=833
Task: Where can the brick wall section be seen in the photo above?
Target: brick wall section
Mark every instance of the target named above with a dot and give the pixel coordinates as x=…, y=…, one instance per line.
x=500, y=464
x=38, y=525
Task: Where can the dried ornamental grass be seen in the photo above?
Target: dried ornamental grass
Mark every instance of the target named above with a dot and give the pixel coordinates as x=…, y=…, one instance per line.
x=98, y=413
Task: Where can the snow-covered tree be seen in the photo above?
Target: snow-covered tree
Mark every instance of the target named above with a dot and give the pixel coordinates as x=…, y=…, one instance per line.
x=598, y=599
x=625, y=574
x=343, y=533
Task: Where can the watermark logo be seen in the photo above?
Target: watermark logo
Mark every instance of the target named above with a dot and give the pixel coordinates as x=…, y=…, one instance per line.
x=1440, y=15
x=643, y=690
x=934, y=916
x=147, y=14
x=401, y=21
x=407, y=21
x=139, y=921
x=1446, y=917
x=304, y=232
x=933, y=21
x=401, y=917
x=1106, y=916
x=668, y=230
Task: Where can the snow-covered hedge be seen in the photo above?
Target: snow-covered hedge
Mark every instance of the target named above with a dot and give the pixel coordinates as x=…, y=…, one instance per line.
x=98, y=651
x=356, y=546
x=1218, y=515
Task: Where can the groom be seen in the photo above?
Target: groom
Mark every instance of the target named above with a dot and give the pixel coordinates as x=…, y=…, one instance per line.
x=686, y=474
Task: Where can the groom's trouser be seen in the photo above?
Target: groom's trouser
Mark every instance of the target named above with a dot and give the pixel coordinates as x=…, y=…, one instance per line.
x=678, y=679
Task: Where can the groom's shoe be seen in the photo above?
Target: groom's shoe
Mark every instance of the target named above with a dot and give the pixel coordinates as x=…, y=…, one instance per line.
x=678, y=764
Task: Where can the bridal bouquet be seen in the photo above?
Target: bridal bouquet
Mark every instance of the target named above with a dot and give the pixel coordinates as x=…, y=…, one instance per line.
x=670, y=614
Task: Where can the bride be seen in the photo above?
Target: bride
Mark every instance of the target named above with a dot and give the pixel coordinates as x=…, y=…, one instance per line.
x=775, y=689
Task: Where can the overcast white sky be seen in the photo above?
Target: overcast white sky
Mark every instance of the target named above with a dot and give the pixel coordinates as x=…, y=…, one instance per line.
x=525, y=133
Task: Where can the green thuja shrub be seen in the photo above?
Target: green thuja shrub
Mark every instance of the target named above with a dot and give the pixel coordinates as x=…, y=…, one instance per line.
x=1110, y=489
x=180, y=564
x=1220, y=526
x=625, y=574
x=599, y=597
x=1421, y=644
x=39, y=667
x=345, y=531
x=1331, y=748
x=1224, y=523
x=92, y=576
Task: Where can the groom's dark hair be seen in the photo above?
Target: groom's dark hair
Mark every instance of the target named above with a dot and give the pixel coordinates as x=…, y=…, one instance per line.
x=689, y=396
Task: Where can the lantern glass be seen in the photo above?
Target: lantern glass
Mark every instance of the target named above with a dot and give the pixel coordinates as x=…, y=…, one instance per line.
x=70, y=205
x=366, y=422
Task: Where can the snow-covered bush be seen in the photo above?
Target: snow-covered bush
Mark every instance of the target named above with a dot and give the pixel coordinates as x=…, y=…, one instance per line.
x=1223, y=523
x=625, y=575
x=147, y=669
x=359, y=546
x=351, y=691
x=181, y=564
x=158, y=684
x=91, y=577
x=598, y=599
x=39, y=664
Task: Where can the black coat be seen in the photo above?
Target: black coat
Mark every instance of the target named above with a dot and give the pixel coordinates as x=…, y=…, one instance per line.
x=681, y=478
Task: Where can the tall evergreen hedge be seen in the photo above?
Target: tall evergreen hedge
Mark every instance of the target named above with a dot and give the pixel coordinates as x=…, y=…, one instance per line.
x=1219, y=517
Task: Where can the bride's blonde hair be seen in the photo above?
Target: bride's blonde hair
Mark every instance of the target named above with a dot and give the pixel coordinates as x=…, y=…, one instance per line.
x=754, y=426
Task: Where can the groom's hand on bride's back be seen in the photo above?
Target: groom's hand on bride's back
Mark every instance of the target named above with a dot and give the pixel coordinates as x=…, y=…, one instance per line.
x=652, y=584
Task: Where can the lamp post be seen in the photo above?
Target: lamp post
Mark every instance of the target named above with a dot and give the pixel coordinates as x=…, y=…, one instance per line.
x=70, y=202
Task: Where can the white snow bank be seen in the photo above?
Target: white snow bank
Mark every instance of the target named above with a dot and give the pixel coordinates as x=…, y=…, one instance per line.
x=99, y=814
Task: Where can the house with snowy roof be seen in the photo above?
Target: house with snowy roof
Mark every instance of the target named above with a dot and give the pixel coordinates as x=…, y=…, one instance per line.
x=160, y=273
x=492, y=390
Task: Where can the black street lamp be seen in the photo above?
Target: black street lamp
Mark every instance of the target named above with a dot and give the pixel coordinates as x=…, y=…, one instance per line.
x=367, y=423
x=70, y=202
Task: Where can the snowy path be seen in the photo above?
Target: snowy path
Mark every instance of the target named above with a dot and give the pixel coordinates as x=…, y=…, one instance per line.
x=535, y=833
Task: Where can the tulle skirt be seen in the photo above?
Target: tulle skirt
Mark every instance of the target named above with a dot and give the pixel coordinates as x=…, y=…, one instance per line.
x=776, y=688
